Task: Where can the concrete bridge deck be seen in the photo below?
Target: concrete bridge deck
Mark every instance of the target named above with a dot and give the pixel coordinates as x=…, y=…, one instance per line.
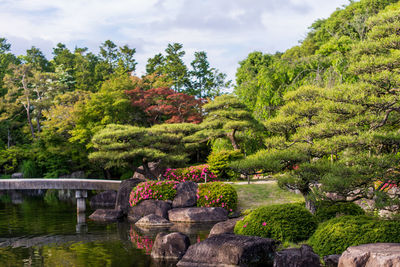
x=73, y=184
x=80, y=185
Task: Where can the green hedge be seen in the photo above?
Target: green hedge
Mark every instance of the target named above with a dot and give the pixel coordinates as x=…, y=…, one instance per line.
x=285, y=222
x=336, y=235
x=327, y=210
x=217, y=194
x=219, y=163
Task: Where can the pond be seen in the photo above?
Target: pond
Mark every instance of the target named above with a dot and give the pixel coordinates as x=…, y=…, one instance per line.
x=43, y=231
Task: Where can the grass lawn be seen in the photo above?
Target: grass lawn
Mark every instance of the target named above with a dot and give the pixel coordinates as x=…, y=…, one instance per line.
x=255, y=195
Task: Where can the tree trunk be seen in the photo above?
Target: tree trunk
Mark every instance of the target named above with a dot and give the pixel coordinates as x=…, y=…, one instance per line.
x=38, y=123
x=28, y=116
x=27, y=106
x=147, y=172
x=232, y=138
x=310, y=204
x=8, y=137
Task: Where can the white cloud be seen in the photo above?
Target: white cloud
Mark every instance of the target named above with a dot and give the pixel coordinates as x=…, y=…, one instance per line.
x=226, y=29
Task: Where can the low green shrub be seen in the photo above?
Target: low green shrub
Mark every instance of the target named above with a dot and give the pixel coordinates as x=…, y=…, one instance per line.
x=217, y=195
x=284, y=222
x=161, y=190
x=327, y=210
x=336, y=235
x=219, y=163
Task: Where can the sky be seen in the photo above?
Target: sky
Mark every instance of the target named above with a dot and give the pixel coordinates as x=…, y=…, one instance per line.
x=227, y=30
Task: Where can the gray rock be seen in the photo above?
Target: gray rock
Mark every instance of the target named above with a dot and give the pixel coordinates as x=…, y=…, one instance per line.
x=147, y=207
x=198, y=215
x=224, y=227
x=125, y=188
x=186, y=195
x=153, y=220
x=331, y=260
x=104, y=199
x=17, y=175
x=296, y=257
x=371, y=255
x=170, y=246
x=230, y=250
x=106, y=215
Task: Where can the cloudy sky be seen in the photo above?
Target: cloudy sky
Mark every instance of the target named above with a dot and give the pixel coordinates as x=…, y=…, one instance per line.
x=226, y=29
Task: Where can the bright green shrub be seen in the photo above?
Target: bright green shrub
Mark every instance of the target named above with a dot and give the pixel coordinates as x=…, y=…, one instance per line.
x=219, y=163
x=327, y=210
x=161, y=190
x=284, y=222
x=217, y=195
x=336, y=235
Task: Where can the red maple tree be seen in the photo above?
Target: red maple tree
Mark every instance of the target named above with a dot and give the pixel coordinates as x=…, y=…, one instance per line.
x=164, y=105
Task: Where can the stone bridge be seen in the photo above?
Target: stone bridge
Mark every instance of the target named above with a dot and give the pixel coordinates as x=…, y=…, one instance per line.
x=80, y=185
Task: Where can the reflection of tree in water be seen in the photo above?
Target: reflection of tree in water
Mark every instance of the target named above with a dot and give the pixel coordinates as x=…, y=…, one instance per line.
x=141, y=242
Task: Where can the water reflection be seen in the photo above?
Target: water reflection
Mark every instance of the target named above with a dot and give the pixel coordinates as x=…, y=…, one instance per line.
x=43, y=231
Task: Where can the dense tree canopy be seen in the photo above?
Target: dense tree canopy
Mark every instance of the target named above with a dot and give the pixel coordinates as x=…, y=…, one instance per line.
x=343, y=137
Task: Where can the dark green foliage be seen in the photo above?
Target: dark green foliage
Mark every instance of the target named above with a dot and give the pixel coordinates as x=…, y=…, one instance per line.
x=285, y=222
x=217, y=194
x=336, y=235
x=327, y=210
x=219, y=163
x=30, y=169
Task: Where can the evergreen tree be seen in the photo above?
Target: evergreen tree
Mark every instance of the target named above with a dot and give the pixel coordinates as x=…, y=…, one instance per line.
x=130, y=146
x=225, y=117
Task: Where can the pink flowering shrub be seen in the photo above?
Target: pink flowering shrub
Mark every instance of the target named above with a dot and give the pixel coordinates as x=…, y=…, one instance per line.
x=161, y=190
x=217, y=194
x=193, y=173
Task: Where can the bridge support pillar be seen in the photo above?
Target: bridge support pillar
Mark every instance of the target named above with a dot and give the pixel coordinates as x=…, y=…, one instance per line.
x=81, y=196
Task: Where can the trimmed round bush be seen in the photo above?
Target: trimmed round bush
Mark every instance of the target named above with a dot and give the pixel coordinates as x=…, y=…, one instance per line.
x=161, y=190
x=336, y=235
x=219, y=163
x=327, y=210
x=285, y=222
x=193, y=173
x=217, y=194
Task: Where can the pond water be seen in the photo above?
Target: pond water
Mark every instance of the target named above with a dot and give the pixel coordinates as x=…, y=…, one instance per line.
x=43, y=231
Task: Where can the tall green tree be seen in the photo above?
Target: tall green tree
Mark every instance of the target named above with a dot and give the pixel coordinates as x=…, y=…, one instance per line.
x=205, y=82
x=225, y=117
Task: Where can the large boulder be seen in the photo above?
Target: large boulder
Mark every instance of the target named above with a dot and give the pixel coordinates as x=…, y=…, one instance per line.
x=104, y=199
x=106, y=215
x=230, y=250
x=153, y=220
x=170, y=246
x=147, y=207
x=17, y=175
x=331, y=260
x=193, y=215
x=186, y=195
x=371, y=255
x=296, y=257
x=125, y=188
x=224, y=227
